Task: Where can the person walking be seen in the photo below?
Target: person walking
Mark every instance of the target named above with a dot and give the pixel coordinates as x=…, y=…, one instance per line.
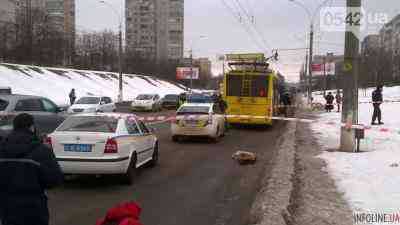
x=28, y=168
x=339, y=100
x=329, y=102
x=377, y=100
x=286, y=102
x=72, y=96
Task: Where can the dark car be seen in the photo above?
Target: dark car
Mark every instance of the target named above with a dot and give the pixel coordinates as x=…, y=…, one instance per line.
x=170, y=102
x=199, y=98
x=48, y=116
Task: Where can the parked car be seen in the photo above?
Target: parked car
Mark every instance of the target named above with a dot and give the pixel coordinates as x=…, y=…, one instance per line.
x=90, y=104
x=198, y=119
x=147, y=102
x=47, y=115
x=103, y=144
x=170, y=102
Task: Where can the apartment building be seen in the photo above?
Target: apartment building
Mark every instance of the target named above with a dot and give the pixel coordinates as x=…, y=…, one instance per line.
x=154, y=28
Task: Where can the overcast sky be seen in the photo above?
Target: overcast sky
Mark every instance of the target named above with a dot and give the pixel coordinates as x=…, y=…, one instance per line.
x=277, y=24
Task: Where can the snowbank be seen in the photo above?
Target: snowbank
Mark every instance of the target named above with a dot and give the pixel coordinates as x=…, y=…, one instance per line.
x=56, y=83
x=370, y=180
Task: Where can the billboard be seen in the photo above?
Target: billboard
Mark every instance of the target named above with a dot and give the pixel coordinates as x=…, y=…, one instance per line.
x=319, y=70
x=187, y=73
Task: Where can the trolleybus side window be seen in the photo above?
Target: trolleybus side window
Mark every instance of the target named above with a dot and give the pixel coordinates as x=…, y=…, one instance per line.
x=234, y=85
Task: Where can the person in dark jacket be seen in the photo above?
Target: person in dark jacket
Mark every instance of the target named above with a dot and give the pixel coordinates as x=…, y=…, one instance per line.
x=72, y=96
x=27, y=169
x=377, y=100
x=339, y=100
x=286, y=102
x=329, y=102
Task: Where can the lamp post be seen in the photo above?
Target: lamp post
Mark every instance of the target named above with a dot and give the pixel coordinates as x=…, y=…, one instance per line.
x=120, y=89
x=311, y=47
x=191, y=60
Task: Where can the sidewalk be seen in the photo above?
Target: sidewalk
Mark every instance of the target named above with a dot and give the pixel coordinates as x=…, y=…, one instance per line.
x=315, y=199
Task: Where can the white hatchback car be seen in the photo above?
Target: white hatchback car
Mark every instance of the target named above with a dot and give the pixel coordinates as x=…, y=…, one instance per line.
x=104, y=143
x=148, y=102
x=198, y=119
x=90, y=104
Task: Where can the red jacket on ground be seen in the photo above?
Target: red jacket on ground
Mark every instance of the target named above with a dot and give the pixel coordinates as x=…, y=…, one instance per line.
x=122, y=214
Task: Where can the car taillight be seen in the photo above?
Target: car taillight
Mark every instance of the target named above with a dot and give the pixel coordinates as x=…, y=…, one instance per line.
x=111, y=146
x=47, y=141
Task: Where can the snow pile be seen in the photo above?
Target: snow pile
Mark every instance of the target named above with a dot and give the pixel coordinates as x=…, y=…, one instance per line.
x=370, y=180
x=55, y=83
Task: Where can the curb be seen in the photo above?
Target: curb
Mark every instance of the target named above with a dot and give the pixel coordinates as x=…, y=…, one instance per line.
x=273, y=200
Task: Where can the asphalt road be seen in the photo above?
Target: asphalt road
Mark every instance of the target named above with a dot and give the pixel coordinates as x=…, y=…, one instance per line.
x=196, y=183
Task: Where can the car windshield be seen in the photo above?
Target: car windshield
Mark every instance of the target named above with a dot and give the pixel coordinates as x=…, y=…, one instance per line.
x=199, y=99
x=3, y=104
x=99, y=124
x=171, y=97
x=193, y=110
x=88, y=101
x=144, y=97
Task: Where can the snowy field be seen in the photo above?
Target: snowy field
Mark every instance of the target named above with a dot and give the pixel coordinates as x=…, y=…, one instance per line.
x=369, y=180
x=56, y=83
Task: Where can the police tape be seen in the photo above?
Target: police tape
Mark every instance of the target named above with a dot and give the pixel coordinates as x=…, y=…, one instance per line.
x=154, y=120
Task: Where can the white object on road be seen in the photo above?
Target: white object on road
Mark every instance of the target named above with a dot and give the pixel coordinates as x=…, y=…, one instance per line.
x=244, y=157
x=147, y=102
x=91, y=104
x=198, y=119
x=101, y=143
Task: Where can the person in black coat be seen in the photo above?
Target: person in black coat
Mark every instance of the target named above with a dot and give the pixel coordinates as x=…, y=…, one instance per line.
x=72, y=96
x=27, y=169
x=377, y=100
x=329, y=102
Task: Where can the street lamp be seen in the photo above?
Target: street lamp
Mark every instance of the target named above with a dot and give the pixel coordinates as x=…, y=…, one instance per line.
x=311, y=18
x=191, y=60
x=120, y=90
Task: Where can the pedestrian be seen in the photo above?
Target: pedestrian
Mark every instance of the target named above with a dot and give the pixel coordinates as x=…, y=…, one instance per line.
x=28, y=168
x=377, y=100
x=122, y=214
x=339, y=100
x=223, y=106
x=286, y=102
x=72, y=96
x=329, y=102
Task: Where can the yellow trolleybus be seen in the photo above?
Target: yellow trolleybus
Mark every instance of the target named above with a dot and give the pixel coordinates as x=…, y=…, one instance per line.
x=250, y=89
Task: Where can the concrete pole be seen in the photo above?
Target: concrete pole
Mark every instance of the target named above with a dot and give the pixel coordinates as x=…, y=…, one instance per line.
x=191, y=70
x=350, y=83
x=324, y=61
x=120, y=93
x=310, y=61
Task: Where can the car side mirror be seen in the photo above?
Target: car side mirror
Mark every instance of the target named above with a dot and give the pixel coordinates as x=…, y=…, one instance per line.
x=102, y=103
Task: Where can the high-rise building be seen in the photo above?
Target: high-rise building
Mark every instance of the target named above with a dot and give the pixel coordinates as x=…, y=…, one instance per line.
x=154, y=28
x=7, y=11
x=62, y=16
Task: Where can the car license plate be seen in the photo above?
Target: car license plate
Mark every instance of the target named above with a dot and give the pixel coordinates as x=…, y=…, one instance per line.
x=77, y=148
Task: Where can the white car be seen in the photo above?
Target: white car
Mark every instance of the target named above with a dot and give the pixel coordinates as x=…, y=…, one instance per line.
x=104, y=143
x=148, y=102
x=90, y=104
x=198, y=119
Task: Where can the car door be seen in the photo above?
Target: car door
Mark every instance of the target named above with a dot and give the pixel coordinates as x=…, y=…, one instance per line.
x=148, y=139
x=137, y=139
x=110, y=104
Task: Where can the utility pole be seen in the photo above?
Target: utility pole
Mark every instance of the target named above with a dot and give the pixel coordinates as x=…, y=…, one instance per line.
x=191, y=70
x=29, y=30
x=310, y=61
x=120, y=94
x=306, y=86
x=350, y=79
x=324, y=61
